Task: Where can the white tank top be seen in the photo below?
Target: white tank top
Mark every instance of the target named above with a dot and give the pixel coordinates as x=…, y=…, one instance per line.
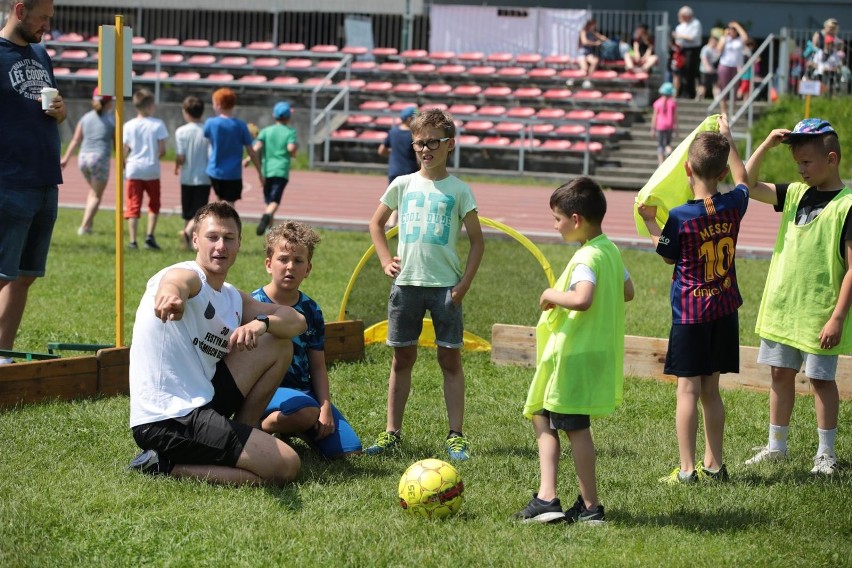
x=172, y=364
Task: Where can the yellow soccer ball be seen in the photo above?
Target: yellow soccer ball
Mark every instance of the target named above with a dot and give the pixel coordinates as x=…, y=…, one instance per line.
x=431, y=488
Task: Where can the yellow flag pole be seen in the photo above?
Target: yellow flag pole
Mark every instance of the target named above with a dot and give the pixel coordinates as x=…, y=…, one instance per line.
x=807, y=106
x=119, y=186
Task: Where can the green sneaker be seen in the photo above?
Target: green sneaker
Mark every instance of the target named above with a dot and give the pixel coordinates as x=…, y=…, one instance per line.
x=458, y=447
x=720, y=475
x=676, y=478
x=384, y=442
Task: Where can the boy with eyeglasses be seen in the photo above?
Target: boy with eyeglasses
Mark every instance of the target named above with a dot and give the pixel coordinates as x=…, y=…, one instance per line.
x=427, y=273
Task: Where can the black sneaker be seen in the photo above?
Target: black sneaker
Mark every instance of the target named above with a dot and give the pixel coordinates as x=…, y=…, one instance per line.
x=132, y=245
x=538, y=511
x=149, y=461
x=151, y=243
x=578, y=513
x=705, y=474
x=264, y=223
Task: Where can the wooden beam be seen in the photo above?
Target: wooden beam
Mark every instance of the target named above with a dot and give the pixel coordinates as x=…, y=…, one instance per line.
x=645, y=357
x=36, y=381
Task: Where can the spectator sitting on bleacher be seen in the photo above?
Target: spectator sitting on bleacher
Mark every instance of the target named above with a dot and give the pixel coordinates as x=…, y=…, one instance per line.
x=590, y=43
x=642, y=52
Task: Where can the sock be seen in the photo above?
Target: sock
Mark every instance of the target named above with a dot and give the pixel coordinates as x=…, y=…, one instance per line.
x=708, y=470
x=452, y=434
x=683, y=476
x=826, y=441
x=778, y=438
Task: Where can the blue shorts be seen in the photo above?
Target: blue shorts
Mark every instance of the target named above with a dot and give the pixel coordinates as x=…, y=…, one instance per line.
x=702, y=349
x=407, y=307
x=27, y=216
x=273, y=189
x=342, y=441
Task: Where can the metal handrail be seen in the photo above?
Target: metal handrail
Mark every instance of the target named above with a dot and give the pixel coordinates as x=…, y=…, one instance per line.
x=324, y=115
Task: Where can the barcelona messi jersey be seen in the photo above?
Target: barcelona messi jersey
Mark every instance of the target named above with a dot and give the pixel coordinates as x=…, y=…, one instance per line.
x=701, y=237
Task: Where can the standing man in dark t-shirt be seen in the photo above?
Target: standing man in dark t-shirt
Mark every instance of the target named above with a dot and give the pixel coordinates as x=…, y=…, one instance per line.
x=398, y=150
x=29, y=159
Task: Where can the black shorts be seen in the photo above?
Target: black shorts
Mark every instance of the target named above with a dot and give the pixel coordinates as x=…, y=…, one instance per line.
x=273, y=189
x=567, y=422
x=227, y=189
x=205, y=436
x=701, y=349
x=193, y=198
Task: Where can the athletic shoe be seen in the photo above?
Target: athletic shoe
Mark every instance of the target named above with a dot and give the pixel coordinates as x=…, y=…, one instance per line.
x=705, y=474
x=384, y=442
x=151, y=243
x=264, y=223
x=824, y=464
x=82, y=231
x=764, y=454
x=578, y=513
x=149, y=461
x=132, y=245
x=675, y=478
x=538, y=511
x=587, y=84
x=457, y=447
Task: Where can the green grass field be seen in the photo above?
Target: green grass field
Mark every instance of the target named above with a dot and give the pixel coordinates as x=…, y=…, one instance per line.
x=67, y=501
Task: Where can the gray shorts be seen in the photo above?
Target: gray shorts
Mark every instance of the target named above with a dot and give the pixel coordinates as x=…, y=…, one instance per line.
x=566, y=422
x=406, y=308
x=821, y=367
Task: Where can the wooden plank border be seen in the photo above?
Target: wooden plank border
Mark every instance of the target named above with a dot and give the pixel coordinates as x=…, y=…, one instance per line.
x=644, y=357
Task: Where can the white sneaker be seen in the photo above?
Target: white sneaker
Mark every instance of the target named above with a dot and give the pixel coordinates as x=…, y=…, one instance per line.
x=824, y=464
x=587, y=84
x=764, y=454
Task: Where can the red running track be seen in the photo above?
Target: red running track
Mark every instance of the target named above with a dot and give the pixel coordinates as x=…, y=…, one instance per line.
x=327, y=199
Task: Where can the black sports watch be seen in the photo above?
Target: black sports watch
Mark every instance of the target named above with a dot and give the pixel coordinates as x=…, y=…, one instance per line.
x=265, y=319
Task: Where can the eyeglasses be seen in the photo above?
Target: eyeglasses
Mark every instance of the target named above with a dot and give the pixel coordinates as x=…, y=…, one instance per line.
x=431, y=144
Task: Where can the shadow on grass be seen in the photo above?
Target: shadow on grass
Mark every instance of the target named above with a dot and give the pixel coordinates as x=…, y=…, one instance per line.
x=768, y=476
x=693, y=520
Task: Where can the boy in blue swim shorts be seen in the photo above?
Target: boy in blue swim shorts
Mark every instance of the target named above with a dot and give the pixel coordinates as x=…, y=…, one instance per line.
x=301, y=406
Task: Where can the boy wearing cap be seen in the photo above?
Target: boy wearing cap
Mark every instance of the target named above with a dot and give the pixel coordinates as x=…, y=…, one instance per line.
x=276, y=145
x=94, y=136
x=664, y=121
x=398, y=150
x=803, y=313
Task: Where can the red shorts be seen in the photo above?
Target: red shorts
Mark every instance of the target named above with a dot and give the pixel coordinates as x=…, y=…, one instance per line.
x=135, y=189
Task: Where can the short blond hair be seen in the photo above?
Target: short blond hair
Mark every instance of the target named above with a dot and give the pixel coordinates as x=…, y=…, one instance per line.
x=293, y=233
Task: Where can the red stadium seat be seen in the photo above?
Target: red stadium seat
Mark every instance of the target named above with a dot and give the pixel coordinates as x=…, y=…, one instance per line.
x=374, y=105
x=52, y=52
x=266, y=62
x=497, y=92
x=609, y=116
x=492, y=110
x=603, y=75
x=75, y=54
x=327, y=64
x=602, y=130
x=378, y=87
x=358, y=120
x=364, y=65
x=525, y=142
x=580, y=146
x=386, y=121
x=138, y=40
x=542, y=73
x=557, y=61
x=407, y=88
x=354, y=84
x=580, y=114
x=542, y=129
x=557, y=94
x=442, y=56
x=201, y=59
x=171, y=58
x=572, y=74
x=550, y=113
x=421, y=68
x=512, y=72
x=392, y=67
x=233, y=61
x=462, y=108
x=555, y=145
x=221, y=77
x=520, y=112
x=633, y=76
x=495, y=141
x=471, y=56
x=284, y=80
x=570, y=130
x=324, y=48
x=435, y=89
x=482, y=70
x=261, y=45
x=467, y=90
x=344, y=134
x=166, y=41
x=467, y=140
x=507, y=127
x=384, y=51
x=526, y=93
x=291, y=47
x=141, y=57
x=440, y=106
x=253, y=79
x=93, y=72
x=399, y=106
x=588, y=95
x=298, y=63
x=71, y=38
x=451, y=69
x=373, y=136
x=315, y=81
x=195, y=43
x=228, y=44
x=500, y=58
x=146, y=75
x=528, y=59
x=61, y=71
x=414, y=54
x=618, y=97
x=187, y=76
x=355, y=50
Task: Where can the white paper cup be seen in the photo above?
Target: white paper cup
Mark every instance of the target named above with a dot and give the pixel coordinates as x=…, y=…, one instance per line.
x=47, y=95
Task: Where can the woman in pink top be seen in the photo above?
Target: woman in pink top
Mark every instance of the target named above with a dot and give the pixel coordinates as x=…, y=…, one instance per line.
x=664, y=121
